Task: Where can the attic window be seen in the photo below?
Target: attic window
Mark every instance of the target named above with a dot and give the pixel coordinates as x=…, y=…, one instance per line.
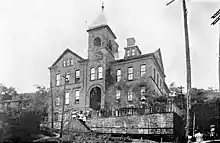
x=68, y=63
x=71, y=62
x=64, y=63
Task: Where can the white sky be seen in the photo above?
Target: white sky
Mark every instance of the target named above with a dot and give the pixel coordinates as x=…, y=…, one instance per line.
x=34, y=33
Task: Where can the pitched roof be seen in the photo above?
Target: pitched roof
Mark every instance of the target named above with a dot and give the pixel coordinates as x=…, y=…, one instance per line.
x=66, y=51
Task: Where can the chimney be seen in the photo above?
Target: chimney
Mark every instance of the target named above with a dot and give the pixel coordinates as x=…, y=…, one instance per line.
x=130, y=42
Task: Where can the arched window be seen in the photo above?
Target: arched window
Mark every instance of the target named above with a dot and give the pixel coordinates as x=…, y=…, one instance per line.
x=100, y=72
x=92, y=73
x=97, y=41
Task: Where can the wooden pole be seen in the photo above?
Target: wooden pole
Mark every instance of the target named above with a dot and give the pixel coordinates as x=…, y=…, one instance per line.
x=63, y=105
x=219, y=59
x=188, y=67
x=194, y=122
x=51, y=92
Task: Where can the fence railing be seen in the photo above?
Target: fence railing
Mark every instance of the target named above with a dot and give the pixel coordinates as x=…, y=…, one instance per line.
x=128, y=111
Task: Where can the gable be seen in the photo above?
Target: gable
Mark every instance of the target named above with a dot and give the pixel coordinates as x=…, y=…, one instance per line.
x=159, y=58
x=67, y=54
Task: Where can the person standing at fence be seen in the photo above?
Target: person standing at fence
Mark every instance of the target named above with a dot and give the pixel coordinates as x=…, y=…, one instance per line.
x=198, y=136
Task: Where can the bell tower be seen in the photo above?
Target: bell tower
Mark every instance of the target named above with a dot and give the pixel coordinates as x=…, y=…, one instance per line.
x=101, y=39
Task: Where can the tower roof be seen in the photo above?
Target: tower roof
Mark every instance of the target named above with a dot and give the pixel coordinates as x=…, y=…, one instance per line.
x=100, y=21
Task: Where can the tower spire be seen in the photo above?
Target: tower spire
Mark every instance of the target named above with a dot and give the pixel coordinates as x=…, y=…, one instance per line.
x=103, y=6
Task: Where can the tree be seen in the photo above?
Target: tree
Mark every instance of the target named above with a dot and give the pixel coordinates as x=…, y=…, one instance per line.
x=7, y=93
x=26, y=123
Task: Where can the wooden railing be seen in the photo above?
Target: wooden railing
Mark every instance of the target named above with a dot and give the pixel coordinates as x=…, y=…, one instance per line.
x=128, y=111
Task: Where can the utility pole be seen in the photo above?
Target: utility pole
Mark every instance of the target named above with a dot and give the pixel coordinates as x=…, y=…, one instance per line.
x=216, y=19
x=188, y=66
x=63, y=105
x=51, y=92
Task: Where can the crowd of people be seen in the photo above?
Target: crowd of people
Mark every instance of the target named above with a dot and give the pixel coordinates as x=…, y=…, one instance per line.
x=198, y=136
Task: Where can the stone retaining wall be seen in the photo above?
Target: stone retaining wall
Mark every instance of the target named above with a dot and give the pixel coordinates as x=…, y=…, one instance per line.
x=161, y=123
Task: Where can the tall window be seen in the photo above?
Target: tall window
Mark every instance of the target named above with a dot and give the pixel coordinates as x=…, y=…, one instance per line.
x=158, y=79
x=129, y=96
x=92, y=74
x=57, y=79
x=143, y=70
x=118, y=75
x=57, y=101
x=67, y=98
x=132, y=52
x=100, y=73
x=118, y=94
x=68, y=62
x=154, y=74
x=67, y=78
x=128, y=52
x=56, y=116
x=143, y=90
x=77, y=75
x=77, y=97
x=130, y=73
x=64, y=63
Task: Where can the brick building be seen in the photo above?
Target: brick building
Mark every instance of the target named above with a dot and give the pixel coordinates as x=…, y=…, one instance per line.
x=99, y=80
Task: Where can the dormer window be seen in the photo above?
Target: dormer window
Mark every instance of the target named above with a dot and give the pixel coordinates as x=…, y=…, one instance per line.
x=68, y=63
x=132, y=52
x=97, y=41
x=64, y=63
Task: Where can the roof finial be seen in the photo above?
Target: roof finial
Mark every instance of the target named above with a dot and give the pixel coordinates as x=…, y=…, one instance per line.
x=103, y=6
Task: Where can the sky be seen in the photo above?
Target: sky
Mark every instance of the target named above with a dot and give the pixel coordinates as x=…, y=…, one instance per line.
x=34, y=33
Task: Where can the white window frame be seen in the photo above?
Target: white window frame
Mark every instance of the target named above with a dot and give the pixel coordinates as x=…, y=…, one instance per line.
x=57, y=103
x=130, y=96
x=77, y=75
x=143, y=90
x=143, y=69
x=67, y=62
x=130, y=73
x=77, y=95
x=132, y=52
x=67, y=78
x=118, y=75
x=118, y=94
x=67, y=98
x=56, y=113
x=64, y=63
x=128, y=52
x=71, y=62
x=92, y=73
x=58, y=79
x=100, y=72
